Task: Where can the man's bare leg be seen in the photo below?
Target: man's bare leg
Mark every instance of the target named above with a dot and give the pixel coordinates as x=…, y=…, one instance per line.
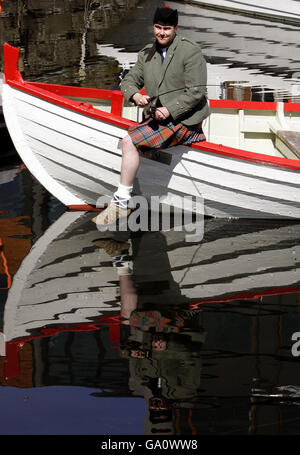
x=129, y=297
x=130, y=162
x=118, y=207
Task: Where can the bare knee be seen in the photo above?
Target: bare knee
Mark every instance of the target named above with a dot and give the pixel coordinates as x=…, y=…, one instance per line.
x=127, y=145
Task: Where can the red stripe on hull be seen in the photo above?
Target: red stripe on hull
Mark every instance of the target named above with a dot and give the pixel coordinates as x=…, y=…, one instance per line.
x=252, y=105
x=247, y=296
x=84, y=208
x=248, y=156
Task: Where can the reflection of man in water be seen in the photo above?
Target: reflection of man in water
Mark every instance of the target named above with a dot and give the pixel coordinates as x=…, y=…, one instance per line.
x=144, y=270
x=161, y=340
x=164, y=367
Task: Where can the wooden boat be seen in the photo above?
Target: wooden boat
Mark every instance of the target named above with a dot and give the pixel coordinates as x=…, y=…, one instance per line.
x=69, y=138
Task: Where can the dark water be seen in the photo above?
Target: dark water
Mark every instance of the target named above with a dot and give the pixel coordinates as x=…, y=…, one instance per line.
x=172, y=338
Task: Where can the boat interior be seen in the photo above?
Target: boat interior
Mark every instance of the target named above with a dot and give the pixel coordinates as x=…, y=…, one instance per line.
x=269, y=128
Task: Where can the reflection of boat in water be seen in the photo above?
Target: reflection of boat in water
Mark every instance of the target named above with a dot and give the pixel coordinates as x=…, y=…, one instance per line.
x=62, y=323
x=246, y=49
x=287, y=11
x=236, y=48
x=244, y=82
x=73, y=149
x=22, y=219
x=53, y=291
x=67, y=280
x=56, y=282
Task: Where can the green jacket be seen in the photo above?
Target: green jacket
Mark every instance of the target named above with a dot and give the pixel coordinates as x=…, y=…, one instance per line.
x=183, y=68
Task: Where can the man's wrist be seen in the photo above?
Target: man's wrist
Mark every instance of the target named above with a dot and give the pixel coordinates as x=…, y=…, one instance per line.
x=136, y=93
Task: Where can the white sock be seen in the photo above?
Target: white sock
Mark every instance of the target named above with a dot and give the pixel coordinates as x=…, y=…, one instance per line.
x=122, y=196
x=123, y=191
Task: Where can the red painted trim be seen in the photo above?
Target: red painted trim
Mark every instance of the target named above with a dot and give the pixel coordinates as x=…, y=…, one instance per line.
x=292, y=107
x=117, y=103
x=11, y=56
x=252, y=105
x=115, y=96
x=79, y=92
x=14, y=79
x=248, y=156
x=247, y=296
x=234, y=104
x=84, y=208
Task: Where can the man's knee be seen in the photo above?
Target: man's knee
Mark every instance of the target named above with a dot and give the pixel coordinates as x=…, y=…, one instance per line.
x=128, y=148
x=126, y=143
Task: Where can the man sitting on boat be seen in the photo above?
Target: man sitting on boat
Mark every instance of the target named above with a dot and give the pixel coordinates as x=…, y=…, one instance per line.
x=173, y=73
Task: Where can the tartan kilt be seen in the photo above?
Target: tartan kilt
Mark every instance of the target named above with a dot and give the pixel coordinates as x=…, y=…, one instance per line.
x=153, y=135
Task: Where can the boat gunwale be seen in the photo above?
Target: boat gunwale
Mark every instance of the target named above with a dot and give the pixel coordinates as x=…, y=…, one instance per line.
x=13, y=78
x=80, y=107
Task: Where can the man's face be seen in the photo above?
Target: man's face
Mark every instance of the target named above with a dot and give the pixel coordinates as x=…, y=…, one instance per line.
x=159, y=345
x=164, y=34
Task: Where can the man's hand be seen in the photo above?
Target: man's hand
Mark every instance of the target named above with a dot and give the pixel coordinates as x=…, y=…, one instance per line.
x=141, y=100
x=161, y=114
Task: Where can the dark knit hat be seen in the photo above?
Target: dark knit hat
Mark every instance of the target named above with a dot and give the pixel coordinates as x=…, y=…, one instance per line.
x=166, y=16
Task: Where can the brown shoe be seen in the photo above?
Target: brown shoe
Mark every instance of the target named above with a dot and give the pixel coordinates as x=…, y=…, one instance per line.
x=111, y=214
